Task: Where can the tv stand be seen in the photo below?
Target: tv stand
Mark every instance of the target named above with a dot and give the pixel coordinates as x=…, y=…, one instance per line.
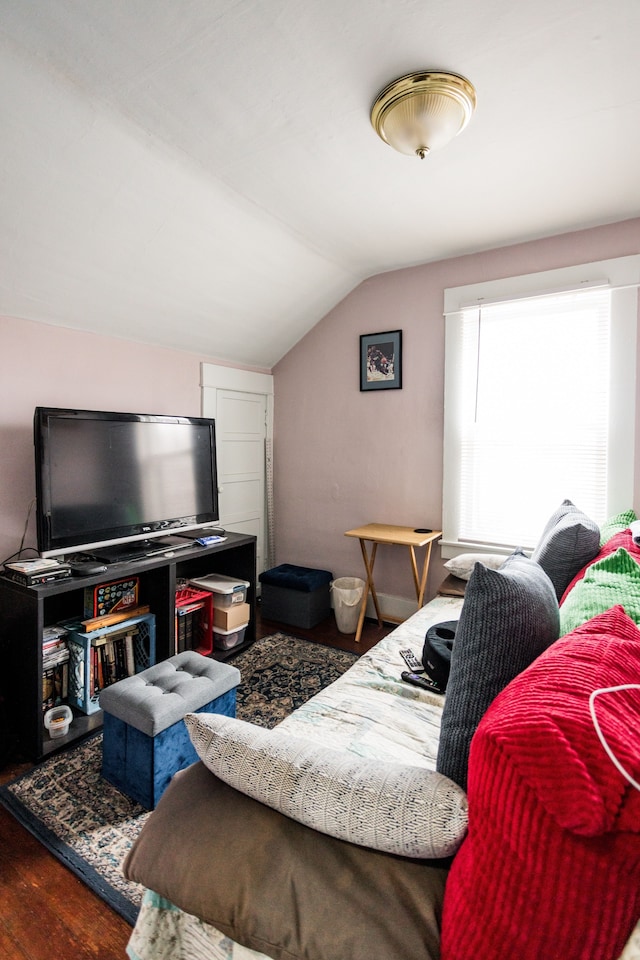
x=25, y=611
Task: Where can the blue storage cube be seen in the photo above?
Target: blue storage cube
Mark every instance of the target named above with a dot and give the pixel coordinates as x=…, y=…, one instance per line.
x=145, y=738
x=295, y=595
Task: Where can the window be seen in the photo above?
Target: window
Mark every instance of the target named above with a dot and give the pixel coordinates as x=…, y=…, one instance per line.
x=539, y=402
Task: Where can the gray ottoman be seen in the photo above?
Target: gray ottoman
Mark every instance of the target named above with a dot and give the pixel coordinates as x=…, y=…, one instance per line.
x=145, y=739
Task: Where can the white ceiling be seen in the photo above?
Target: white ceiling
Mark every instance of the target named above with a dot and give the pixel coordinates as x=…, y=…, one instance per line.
x=202, y=174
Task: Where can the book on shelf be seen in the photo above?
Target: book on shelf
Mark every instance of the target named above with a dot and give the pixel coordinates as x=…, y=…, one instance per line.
x=110, y=619
x=55, y=685
x=54, y=640
x=54, y=655
x=112, y=659
x=55, y=667
x=189, y=625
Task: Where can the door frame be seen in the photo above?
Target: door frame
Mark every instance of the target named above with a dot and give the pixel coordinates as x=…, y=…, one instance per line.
x=215, y=376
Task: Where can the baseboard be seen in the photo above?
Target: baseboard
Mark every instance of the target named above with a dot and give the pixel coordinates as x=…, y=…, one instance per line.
x=399, y=608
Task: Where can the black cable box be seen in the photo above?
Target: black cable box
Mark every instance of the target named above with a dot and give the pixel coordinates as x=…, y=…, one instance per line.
x=33, y=579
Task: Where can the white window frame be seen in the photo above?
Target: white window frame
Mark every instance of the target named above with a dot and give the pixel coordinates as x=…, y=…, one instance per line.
x=622, y=276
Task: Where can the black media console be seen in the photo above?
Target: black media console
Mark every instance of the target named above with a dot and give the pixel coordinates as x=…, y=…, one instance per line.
x=26, y=611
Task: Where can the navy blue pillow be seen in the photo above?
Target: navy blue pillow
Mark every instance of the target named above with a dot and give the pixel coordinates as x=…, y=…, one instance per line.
x=291, y=577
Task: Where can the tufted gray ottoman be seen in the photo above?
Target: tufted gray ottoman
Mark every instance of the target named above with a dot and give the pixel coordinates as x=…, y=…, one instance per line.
x=145, y=740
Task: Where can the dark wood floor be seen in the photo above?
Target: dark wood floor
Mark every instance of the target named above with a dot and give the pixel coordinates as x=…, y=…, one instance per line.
x=45, y=911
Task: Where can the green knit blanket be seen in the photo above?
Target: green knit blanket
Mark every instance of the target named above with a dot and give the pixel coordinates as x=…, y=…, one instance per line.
x=613, y=580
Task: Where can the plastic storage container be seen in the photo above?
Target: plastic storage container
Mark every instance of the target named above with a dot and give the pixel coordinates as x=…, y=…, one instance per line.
x=226, y=590
x=228, y=639
x=57, y=721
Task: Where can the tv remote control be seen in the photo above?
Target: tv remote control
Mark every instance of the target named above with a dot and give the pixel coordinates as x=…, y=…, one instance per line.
x=419, y=681
x=412, y=661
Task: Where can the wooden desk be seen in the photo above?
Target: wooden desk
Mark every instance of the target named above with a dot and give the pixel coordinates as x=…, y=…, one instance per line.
x=376, y=533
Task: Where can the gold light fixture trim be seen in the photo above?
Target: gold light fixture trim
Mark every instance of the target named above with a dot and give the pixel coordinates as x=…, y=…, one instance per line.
x=423, y=111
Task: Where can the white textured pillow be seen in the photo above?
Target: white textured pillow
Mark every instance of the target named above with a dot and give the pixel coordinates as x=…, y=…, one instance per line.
x=462, y=565
x=408, y=811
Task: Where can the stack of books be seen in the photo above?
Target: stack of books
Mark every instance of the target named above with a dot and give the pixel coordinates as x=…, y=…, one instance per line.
x=112, y=659
x=55, y=667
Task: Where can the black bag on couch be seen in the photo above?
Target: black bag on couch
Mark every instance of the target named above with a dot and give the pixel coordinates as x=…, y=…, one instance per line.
x=436, y=653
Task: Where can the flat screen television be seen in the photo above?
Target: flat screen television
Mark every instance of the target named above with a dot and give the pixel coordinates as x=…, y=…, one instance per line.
x=109, y=484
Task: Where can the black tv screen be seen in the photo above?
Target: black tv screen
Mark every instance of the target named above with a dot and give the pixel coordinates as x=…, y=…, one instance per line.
x=110, y=478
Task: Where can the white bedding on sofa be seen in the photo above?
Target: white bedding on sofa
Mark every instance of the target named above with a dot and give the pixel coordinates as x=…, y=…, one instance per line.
x=368, y=711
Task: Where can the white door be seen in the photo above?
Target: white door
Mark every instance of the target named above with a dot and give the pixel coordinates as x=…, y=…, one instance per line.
x=243, y=431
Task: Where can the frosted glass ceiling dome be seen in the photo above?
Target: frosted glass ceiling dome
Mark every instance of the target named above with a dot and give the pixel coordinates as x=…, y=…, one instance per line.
x=421, y=112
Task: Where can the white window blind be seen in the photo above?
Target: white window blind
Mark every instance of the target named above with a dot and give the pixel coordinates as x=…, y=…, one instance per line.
x=532, y=410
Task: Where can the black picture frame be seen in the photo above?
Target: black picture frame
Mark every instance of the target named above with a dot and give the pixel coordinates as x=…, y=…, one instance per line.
x=381, y=361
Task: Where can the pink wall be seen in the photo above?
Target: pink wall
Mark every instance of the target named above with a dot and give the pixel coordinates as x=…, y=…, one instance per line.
x=342, y=458
x=44, y=365
x=345, y=458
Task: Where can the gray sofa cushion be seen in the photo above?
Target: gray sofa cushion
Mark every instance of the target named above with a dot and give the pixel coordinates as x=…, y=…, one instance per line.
x=508, y=618
x=569, y=540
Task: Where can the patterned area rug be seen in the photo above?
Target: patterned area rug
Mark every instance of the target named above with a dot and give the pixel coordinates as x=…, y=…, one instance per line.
x=90, y=826
x=280, y=673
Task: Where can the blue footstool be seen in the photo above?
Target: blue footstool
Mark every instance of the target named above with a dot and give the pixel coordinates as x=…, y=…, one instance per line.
x=145, y=739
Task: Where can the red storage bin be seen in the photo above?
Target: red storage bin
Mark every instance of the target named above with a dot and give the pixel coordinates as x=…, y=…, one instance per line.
x=194, y=621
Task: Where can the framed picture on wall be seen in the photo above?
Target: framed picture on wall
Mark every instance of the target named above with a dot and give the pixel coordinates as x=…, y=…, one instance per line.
x=381, y=361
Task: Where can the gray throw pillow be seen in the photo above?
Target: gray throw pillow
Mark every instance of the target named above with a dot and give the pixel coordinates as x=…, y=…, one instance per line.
x=508, y=618
x=569, y=541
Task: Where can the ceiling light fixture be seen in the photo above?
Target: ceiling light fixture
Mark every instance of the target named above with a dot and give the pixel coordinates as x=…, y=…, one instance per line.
x=423, y=111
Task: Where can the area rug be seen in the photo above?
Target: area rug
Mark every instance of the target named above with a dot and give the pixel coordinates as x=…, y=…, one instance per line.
x=90, y=826
x=280, y=673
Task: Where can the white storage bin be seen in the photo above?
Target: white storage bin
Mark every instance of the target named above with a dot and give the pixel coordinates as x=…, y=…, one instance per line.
x=227, y=590
x=227, y=639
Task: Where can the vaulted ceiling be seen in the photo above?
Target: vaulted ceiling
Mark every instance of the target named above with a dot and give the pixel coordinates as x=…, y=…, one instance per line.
x=203, y=174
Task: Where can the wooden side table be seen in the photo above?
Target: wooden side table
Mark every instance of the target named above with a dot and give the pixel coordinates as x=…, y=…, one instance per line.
x=375, y=533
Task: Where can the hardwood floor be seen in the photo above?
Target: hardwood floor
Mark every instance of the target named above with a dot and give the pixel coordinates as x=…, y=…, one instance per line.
x=45, y=910
x=328, y=634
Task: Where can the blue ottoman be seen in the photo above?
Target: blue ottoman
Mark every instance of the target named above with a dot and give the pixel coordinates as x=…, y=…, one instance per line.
x=296, y=595
x=145, y=739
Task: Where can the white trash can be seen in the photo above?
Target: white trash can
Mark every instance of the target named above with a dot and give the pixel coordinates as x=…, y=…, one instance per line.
x=347, y=596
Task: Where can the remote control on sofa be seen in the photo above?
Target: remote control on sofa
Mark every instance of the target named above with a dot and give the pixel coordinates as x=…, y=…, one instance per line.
x=412, y=661
x=418, y=681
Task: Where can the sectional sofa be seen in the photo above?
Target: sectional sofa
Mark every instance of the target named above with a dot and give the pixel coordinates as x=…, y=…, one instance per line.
x=384, y=821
